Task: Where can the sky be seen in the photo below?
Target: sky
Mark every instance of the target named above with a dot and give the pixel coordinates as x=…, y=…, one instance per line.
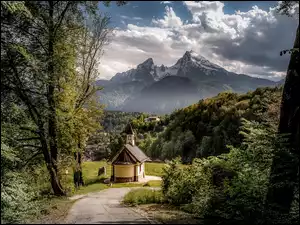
x=244, y=37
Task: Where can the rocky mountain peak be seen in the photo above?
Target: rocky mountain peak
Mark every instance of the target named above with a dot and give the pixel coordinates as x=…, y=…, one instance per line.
x=188, y=54
x=187, y=57
x=148, y=64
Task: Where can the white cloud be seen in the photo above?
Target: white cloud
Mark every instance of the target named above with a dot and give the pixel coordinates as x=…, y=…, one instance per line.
x=170, y=19
x=131, y=18
x=137, y=18
x=165, y=2
x=243, y=42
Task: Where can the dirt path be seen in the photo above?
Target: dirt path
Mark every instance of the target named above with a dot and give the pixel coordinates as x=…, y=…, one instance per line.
x=105, y=207
x=149, y=178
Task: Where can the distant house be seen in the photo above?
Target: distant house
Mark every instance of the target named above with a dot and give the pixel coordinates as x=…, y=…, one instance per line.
x=128, y=164
x=152, y=118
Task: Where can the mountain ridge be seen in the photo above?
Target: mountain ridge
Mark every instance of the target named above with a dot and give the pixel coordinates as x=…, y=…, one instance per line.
x=139, y=89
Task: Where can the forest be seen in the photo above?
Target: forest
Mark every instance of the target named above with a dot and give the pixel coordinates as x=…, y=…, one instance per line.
x=208, y=127
x=242, y=149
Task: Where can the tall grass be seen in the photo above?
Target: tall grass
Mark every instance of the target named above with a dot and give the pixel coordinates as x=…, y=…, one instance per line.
x=143, y=196
x=154, y=169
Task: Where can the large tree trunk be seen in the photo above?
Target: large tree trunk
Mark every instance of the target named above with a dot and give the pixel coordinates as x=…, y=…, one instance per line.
x=55, y=182
x=52, y=123
x=285, y=165
x=78, y=178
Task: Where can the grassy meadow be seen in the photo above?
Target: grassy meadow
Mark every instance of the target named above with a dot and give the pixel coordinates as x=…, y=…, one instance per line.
x=94, y=183
x=143, y=196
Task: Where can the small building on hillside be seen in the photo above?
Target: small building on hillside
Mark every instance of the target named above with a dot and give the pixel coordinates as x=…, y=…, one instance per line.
x=151, y=119
x=128, y=164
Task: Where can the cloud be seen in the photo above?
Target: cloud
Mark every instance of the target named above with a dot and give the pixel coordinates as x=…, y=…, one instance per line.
x=165, y=2
x=254, y=37
x=170, y=19
x=131, y=18
x=243, y=42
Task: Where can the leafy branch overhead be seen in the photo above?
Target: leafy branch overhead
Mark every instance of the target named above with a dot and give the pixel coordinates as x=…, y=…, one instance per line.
x=50, y=51
x=290, y=51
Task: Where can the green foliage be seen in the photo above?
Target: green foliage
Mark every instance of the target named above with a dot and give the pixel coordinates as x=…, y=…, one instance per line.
x=229, y=186
x=290, y=51
x=208, y=127
x=175, y=192
x=16, y=7
x=115, y=122
x=16, y=193
x=286, y=7
x=116, y=143
x=143, y=196
x=146, y=143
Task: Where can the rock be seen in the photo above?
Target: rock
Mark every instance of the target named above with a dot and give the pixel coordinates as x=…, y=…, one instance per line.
x=102, y=171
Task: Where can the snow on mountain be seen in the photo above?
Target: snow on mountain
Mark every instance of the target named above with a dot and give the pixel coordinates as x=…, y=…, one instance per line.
x=144, y=72
x=149, y=87
x=190, y=60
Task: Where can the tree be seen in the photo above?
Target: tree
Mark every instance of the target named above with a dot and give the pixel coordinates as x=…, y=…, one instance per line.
x=40, y=47
x=116, y=143
x=285, y=165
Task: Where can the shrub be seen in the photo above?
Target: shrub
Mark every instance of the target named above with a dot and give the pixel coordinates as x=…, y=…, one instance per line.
x=179, y=183
x=16, y=193
x=232, y=185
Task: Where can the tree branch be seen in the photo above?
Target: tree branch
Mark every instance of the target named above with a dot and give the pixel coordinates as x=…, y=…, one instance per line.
x=30, y=129
x=28, y=139
x=61, y=17
x=28, y=145
x=32, y=157
x=31, y=108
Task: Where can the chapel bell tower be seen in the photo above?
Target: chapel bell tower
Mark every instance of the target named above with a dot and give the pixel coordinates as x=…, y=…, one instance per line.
x=129, y=135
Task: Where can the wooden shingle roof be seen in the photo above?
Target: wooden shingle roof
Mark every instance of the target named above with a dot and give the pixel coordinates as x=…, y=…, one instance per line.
x=134, y=151
x=137, y=152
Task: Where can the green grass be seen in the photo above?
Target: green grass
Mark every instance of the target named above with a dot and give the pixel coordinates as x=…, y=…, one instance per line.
x=154, y=169
x=143, y=196
x=101, y=186
x=91, y=188
x=90, y=171
x=93, y=183
x=154, y=183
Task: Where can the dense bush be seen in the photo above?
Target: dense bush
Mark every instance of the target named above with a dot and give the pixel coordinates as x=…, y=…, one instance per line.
x=16, y=192
x=232, y=185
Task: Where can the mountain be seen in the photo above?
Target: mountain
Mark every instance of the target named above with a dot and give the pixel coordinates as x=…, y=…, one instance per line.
x=161, y=89
x=280, y=82
x=143, y=73
x=165, y=95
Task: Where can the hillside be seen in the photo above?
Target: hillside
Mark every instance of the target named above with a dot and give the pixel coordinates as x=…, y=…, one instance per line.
x=115, y=121
x=161, y=97
x=207, y=127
